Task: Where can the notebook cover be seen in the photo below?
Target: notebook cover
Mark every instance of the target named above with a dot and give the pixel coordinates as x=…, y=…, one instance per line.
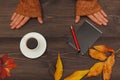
x=87, y=34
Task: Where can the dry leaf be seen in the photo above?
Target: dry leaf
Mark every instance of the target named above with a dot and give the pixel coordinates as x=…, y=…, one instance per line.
x=107, y=69
x=4, y=58
x=103, y=48
x=96, y=69
x=10, y=61
x=97, y=55
x=3, y=73
x=5, y=66
x=59, y=69
x=77, y=75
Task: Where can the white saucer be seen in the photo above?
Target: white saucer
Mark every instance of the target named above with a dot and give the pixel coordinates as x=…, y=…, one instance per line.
x=38, y=51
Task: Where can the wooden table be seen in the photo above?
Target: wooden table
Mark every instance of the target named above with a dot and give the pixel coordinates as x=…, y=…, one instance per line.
x=58, y=16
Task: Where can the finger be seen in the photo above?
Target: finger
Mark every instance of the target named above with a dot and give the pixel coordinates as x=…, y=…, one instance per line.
x=40, y=20
x=13, y=16
x=94, y=19
x=14, y=20
x=18, y=20
x=22, y=22
x=99, y=18
x=77, y=19
x=104, y=14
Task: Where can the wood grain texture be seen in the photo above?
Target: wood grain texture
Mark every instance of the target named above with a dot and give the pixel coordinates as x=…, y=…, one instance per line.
x=58, y=16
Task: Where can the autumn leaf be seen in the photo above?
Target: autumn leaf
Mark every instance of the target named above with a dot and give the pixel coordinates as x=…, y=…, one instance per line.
x=77, y=75
x=107, y=70
x=99, y=52
x=7, y=72
x=59, y=68
x=6, y=65
x=4, y=58
x=97, y=55
x=10, y=64
x=103, y=48
x=3, y=74
x=96, y=69
x=10, y=61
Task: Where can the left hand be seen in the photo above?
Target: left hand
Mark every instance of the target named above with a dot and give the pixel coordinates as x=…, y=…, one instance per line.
x=19, y=20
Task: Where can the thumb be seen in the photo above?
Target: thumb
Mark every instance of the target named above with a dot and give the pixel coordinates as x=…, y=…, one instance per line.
x=77, y=19
x=40, y=20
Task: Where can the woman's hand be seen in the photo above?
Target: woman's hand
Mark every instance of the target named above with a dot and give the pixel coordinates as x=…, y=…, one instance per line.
x=91, y=9
x=99, y=17
x=25, y=10
x=19, y=20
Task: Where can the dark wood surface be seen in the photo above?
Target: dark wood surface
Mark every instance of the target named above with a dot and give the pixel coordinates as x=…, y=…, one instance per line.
x=58, y=16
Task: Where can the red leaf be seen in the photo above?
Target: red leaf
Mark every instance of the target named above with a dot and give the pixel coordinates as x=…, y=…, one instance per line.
x=11, y=66
x=7, y=72
x=5, y=66
x=3, y=74
x=4, y=58
x=0, y=62
x=1, y=69
x=10, y=61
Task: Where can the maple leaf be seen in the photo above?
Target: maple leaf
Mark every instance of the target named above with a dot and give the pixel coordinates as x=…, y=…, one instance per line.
x=5, y=66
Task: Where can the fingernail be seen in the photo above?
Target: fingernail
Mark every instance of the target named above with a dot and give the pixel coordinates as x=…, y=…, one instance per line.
x=17, y=27
x=12, y=27
x=107, y=20
x=41, y=22
x=76, y=21
x=100, y=23
x=105, y=24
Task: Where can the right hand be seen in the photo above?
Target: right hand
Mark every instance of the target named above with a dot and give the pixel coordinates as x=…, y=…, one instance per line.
x=99, y=18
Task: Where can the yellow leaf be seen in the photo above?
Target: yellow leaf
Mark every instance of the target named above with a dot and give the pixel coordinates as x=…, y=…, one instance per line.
x=107, y=69
x=77, y=75
x=103, y=48
x=97, y=55
x=59, y=68
x=96, y=69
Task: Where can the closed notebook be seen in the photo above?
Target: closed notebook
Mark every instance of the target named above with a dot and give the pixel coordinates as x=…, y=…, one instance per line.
x=87, y=34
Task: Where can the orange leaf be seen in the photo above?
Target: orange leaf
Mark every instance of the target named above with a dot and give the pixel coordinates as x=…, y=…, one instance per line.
x=103, y=48
x=97, y=55
x=107, y=70
x=96, y=69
